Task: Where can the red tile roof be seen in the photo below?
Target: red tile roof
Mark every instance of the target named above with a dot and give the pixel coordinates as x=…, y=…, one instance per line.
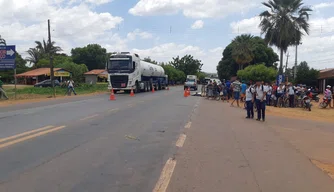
x=37, y=72
x=95, y=72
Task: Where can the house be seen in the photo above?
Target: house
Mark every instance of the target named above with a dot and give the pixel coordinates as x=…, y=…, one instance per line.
x=326, y=77
x=96, y=75
x=37, y=75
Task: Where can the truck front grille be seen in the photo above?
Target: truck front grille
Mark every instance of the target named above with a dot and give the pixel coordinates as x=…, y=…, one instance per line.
x=119, y=81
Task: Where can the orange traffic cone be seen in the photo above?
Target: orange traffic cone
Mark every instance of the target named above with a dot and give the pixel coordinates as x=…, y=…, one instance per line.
x=167, y=88
x=188, y=91
x=153, y=89
x=132, y=93
x=185, y=94
x=112, y=95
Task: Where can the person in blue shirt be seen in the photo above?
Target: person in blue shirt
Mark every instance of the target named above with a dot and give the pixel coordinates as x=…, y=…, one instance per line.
x=228, y=89
x=243, y=91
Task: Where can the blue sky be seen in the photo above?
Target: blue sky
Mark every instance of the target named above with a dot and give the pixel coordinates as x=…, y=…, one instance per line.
x=161, y=29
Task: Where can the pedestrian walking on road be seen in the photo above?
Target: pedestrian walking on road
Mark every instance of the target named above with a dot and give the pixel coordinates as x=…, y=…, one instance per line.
x=70, y=87
x=2, y=91
x=261, y=92
x=250, y=101
x=236, y=86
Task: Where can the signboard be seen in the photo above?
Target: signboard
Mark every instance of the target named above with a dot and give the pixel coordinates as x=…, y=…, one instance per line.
x=7, y=57
x=61, y=74
x=279, y=79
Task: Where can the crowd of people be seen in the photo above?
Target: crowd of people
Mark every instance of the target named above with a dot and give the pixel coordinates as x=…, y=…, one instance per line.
x=259, y=94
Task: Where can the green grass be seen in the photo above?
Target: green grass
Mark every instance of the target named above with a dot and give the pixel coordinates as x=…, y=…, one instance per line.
x=48, y=91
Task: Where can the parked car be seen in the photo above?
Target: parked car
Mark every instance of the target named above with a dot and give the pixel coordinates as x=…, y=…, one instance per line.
x=46, y=83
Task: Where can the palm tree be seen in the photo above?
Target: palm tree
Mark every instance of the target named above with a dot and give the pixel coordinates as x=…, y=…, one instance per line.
x=284, y=24
x=47, y=48
x=34, y=56
x=242, y=49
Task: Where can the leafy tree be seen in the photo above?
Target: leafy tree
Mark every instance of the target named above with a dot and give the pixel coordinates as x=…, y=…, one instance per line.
x=258, y=72
x=148, y=59
x=77, y=70
x=284, y=24
x=227, y=67
x=201, y=76
x=93, y=55
x=40, y=54
x=44, y=47
x=306, y=75
x=187, y=64
x=173, y=74
x=242, y=50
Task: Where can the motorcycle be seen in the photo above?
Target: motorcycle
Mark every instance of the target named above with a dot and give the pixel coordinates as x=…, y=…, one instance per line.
x=315, y=97
x=307, y=103
x=324, y=103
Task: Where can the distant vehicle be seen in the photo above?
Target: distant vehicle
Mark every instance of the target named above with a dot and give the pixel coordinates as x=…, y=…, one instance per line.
x=46, y=83
x=126, y=71
x=191, y=82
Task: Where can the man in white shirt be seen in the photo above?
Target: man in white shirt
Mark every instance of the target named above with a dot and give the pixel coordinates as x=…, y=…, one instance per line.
x=291, y=93
x=70, y=88
x=261, y=92
x=250, y=101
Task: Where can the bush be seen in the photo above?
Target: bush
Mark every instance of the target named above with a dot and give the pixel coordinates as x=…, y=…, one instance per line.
x=258, y=72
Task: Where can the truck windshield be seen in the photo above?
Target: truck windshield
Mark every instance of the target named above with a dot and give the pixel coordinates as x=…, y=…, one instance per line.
x=190, y=80
x=119, y=65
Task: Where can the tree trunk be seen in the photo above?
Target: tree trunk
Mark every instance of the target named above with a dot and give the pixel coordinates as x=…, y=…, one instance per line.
x=280, y=69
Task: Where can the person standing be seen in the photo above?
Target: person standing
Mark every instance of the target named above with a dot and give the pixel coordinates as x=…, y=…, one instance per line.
x=70, y=88
x=2, y=91
x=249, y=101
x=291, y=93
x=243, y=91
x=268, y=96
x=236, y=86
x=261, y=92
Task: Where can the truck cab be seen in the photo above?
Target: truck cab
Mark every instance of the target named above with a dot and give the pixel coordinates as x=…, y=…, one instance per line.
x=191, y=82
x=127, y=71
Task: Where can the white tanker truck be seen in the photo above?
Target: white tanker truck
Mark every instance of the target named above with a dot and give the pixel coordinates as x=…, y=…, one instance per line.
x=126, y=71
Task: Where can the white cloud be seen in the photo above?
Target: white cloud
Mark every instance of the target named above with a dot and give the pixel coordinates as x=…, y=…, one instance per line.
x=323, y=5
x=23, y=22
x=197, y=24
x=317, y=48
x=99, y=2
x=192, y=8
x=140, y=34
x=246, y=26
x=165, y=52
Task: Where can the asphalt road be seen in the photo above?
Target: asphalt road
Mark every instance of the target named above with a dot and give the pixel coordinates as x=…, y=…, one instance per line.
x=91, y=143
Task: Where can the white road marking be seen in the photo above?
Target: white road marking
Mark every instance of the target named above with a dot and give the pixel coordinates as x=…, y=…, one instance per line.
x=89, y=117
x=165, y=176
x=188, y=125
x=180, y=141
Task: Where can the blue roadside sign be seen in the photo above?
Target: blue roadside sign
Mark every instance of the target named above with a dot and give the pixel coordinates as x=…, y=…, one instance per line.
x=7, y=57
x=279, y=79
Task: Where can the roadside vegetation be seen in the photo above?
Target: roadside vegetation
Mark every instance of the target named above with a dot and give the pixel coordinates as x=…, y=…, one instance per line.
x=31, y=92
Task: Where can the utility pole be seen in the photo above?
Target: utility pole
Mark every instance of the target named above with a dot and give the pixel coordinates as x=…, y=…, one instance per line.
x=51, y=61
x=170, y=29
x=286, y=67
x=295, y=69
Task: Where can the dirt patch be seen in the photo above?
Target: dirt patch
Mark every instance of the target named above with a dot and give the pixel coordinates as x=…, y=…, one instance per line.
x=325, y=167
x=317, y=114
